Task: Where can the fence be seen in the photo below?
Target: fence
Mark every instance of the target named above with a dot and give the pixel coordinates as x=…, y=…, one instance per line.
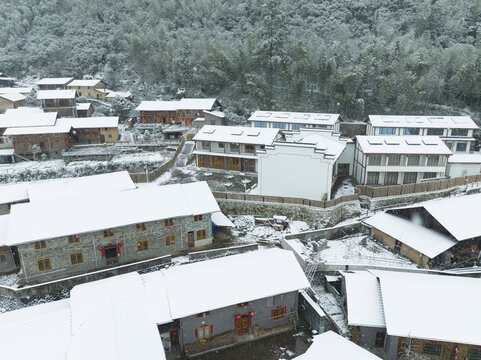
x=435, y=185
x=284, y=200
x=154, y=174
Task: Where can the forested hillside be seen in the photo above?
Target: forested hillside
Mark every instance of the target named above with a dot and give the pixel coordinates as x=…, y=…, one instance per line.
x=349, y=56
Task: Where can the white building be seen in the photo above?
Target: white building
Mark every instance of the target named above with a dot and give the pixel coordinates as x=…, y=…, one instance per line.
x=232, y=147
x=393, y=160
x=294, y=120
x=464, y=165
x=456, y=131
x=305, y=165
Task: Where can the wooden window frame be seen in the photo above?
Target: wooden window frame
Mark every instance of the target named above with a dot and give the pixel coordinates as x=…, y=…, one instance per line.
x=202, y=315
x=203, y=233
x=76, y=258
x=142, y=245
x=198, y=218
x=41, y=244
x=73, y=239
x=43, y=262
x=278, y=313
x=430, y=348
x=3, y=257
x=140, y=227
x=242, y=305
x=108, y=233
x=169, y=222
x=170, y=240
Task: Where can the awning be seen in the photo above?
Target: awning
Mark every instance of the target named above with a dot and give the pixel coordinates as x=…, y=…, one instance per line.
x=220, y=219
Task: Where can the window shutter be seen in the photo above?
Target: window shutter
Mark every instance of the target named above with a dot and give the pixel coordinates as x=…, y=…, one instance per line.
x=196, y=333
x=211, y=329
x=272, y=313
x=285, y=307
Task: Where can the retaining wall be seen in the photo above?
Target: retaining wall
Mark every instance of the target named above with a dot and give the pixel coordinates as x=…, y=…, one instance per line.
x=214, y=253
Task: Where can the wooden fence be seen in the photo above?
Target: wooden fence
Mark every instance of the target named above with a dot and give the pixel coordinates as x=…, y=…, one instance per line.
x=154, y=174
x=435, y=185
x=284, y=200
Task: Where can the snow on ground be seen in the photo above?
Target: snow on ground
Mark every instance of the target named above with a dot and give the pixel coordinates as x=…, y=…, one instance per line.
x=9, y=280
x=346, y=187
x=331, y=307
x=139, y=158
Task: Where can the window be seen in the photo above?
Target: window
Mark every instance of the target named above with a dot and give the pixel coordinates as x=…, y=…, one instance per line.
x=413, y=160
x=380, y=339
x=391, y=178
x=279, y=125
x=73, y=239
x=221, y=145
x=140, y=227
x=278, y=313
x=438, y=132
x=201, y=234
x=205, y=145
x=76, y=258
x=250, y=148
x=260, y=124
x=142, y=245
x=394, y=160
x=387, y=131
x=461, y=146
x=297, y=126
x=375, y=159
x=197, y=217
x=44, y=264
x=42, y=244
x=203, y=332
x=433, y=160
x=168, y=222
x=410, y=131
x=170, y=240
x=410, y=177
x=459, y=132
x=108, y=233
x=432, y=349
x=474, y=354
x=429, y=175
x=242, y=305
x=109, y=136
x=234, y=147
x=202, y=315
x=3, y=258
x=373, y=178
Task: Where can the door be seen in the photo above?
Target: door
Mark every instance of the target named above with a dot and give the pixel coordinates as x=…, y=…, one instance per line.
x=234, y=164
x=218, y=162
x=242, y=325
x=111, y=255
x=342, y=169
x=190, y=238
x=174, y=338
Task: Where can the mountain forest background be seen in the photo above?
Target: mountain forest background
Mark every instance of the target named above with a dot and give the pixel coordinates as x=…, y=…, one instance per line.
x=354, y=57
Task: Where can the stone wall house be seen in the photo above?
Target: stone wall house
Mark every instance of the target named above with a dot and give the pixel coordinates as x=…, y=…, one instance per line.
x=61, y=101
x=11, y=101
x=93, y=88
x=84, y=110
x=54, y=83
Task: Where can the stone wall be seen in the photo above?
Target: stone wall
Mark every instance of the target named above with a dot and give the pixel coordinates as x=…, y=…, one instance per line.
x=58, y=250
x=311, y=215
x=330, y=233
x=211, y=254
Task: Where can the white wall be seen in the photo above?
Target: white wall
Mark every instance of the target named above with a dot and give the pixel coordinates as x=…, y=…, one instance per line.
x=294, y=171
x=459, y=169
x=347, y=156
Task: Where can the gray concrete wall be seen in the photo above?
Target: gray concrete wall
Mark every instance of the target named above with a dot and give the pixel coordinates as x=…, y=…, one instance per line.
x=7, y=266
x=330, y=233
x=58, y=249
x=390, y=347
x=211, y=254
x=223, y=319
x=309, y=311
x=368, y=336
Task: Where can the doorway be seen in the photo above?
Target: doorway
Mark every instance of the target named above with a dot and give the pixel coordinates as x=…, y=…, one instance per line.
x=111, y=255
x=342, y=169
x=190, y=238
x=242, y=325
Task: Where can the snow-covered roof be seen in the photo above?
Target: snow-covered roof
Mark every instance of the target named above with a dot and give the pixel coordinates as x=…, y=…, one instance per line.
x=39, y=332
x=83, y=83
x=27, y=119
x=295, y=117
x=6, y=78
x=83, y=106
x=91, y=122
x=465, y=158
x=54, y=81
x=55, y=218
x=402, y=145
x=219, y=219
x=80, y=186
x=13, y=97
x=218, y=114
x=56, y=94
x=428, y=242
x=3, y=228
x=158, y=106
x=196, y=104
x=430, y=306
x=237, y=134
x=440, y=122
x=364, y=302
x=330, y=345
x=270, y=272
x=330, y=146
x=24, y=109
x=10, y=193
x=18, y=90
x=122, y=94
x=6, y=152
x=58, y=128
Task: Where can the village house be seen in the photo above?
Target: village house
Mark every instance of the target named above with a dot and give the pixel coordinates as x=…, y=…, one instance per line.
x=111, y=95
x=395, y=160
x=6, y=81
x=460, y=165
x=11, y=101
x=455, y=131
x=84, y=110
x=7, y=258
x=314, y=158
x=61, y=101
x=89, y=88
x=11, y=194
x=102, y=230
x=54, y=83
x=16, y=90
x=188, y=109
x=293, y=121
x=160, y=315
x=434, y=233
x=214, y=118
x=232, y=147
x=93, y=130
x=391, y=313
